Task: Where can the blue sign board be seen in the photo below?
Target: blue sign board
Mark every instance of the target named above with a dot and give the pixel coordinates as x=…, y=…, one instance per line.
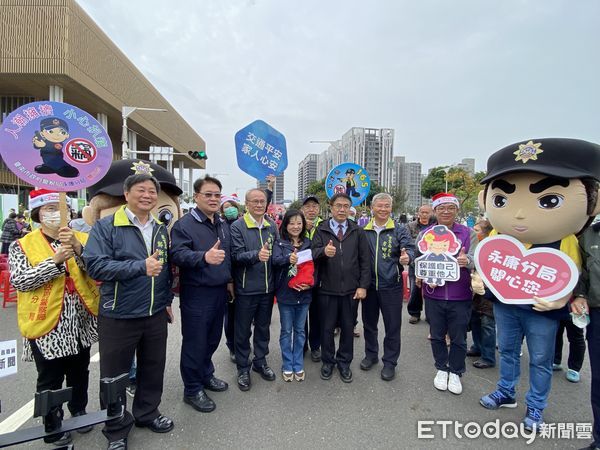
x=351, y=179
x=261, y=150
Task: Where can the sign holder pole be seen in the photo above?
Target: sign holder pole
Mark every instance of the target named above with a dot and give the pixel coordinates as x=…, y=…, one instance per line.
x=64, y=210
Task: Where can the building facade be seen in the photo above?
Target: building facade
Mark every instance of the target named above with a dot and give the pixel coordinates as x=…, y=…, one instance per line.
x=278, y=189
x=408, y=176
x=307, y=173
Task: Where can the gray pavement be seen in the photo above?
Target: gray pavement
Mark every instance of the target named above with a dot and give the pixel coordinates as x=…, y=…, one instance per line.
x=367, y=413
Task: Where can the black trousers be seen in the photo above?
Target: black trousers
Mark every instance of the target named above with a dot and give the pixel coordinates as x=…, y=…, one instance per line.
x=576, y=339
x=313, y=324
x=249, y=308
x=229, y=325
x=120, y=340
x=52, y=372
x=593, y=338
x=202, y=310
x=337, y=310
x=415, y=303
x=389, y=302
x=449, y=317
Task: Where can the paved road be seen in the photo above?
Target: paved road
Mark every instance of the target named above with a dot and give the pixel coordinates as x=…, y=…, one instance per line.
x=368, y=413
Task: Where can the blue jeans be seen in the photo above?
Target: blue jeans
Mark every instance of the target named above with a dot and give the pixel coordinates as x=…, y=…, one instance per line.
x=513, y=323
x=293, y=336
x=483, y=331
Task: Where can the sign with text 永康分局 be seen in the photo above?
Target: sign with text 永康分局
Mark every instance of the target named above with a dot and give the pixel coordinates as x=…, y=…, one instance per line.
x=261, y=150
x=55, y=145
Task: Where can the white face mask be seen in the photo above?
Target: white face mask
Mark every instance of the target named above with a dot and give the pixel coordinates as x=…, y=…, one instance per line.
x=51, y=219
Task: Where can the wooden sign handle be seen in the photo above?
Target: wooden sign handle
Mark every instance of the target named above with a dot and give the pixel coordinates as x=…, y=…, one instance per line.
x=64, y=209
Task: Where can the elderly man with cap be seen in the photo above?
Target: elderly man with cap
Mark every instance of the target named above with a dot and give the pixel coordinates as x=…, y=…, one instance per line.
x=310, y=208
x=201, y=249
x=542, y=192
x=57, y=305
x=448, y=306
x=128, y=252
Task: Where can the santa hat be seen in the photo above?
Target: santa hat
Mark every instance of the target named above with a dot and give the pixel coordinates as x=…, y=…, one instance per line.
x=230, y=198
x=41, y=197
x=444, y=197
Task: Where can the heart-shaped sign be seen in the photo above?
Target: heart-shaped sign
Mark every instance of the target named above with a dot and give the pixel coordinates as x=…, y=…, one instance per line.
x=515, y=274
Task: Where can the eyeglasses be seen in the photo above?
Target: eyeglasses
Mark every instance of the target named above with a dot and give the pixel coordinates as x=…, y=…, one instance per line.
x=446, y=209
x=340, y=206
x=208, y=195
x=257, y=202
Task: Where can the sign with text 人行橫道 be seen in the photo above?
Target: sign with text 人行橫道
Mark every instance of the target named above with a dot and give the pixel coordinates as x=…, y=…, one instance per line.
x=261, y=150
x=516, y=274
x=350, y=179
x=55, y=145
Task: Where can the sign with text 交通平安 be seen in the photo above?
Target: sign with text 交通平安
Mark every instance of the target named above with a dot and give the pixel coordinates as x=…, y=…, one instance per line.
x=261, y=150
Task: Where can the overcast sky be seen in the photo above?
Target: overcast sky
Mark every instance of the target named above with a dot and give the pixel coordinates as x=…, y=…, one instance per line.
x=454, y=79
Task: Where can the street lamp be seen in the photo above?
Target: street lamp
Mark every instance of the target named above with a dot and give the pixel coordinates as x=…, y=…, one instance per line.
x=126, y=111
x=446, y=171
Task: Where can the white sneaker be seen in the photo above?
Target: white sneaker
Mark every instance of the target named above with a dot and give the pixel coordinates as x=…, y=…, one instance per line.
x=454, y=384
x=441, y=380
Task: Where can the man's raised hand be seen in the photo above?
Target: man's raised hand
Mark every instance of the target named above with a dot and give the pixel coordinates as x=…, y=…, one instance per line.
x=215, y=255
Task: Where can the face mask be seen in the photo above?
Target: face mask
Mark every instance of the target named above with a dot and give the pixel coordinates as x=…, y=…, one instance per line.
x=231, y=212
x=51, y=219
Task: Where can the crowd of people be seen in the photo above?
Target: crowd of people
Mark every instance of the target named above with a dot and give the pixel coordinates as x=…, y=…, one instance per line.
x=115, y=285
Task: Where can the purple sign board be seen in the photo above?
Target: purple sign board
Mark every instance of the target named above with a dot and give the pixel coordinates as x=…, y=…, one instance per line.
x=55, y=146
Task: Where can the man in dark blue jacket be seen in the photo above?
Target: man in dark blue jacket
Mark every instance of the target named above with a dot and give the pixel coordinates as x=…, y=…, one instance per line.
x=128, y=252
x=200, y=247
x=252, y=239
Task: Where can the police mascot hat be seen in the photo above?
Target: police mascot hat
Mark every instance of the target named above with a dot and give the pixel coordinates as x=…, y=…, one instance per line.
x=112, y=183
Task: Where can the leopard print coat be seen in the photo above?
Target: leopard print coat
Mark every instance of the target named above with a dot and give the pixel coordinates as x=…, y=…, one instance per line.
x=76, y=328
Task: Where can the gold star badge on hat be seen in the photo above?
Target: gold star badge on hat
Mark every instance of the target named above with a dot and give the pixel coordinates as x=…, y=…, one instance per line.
x=142, y=167
x=528, y=151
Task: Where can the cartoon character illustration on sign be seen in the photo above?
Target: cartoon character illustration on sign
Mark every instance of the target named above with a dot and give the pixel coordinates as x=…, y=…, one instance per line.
x=50, y=142
x=438, y=264
x=543, y=192
x=350, y=183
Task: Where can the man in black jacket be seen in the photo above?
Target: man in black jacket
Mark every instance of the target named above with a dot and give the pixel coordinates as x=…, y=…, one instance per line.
x=343, y=262
x=200, y=244
x=252, y=238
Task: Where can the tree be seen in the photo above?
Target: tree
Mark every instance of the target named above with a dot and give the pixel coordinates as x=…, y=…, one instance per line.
x=460, y=183
x=296, y=204
x=399, y=199
x=374, y=189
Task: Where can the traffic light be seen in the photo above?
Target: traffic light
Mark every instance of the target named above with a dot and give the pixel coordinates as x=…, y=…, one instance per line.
x=200, y=154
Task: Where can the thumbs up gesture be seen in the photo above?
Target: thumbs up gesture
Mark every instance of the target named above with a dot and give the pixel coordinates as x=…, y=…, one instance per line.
x=153, y=265
x=330, y=249
x=462, y=259
x=294, y=257
x=215, y=255
x=264, y=253
x=404, y=258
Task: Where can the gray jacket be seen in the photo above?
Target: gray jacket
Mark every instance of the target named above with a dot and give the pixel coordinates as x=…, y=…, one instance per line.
x=589, y=280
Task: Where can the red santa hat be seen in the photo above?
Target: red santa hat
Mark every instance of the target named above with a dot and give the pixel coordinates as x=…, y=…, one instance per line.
x=41, y=197
x=233, y=198
x=444, y=197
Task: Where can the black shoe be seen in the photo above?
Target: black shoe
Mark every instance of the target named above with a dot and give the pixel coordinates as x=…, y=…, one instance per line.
x=59, y=440
x=162, y=424
x=315, y=355
x=414, y=320
x=367, y=363
x=388, y=373
x=82, y=430
x=121, y=444
x=326, y=371
x=346, y=375
x=265, y=372
x=200, y=402
x=42, y=168
x=216, y=385
x=232, y=356
x=244, y=381
x=481, y=364
x=473, y=353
